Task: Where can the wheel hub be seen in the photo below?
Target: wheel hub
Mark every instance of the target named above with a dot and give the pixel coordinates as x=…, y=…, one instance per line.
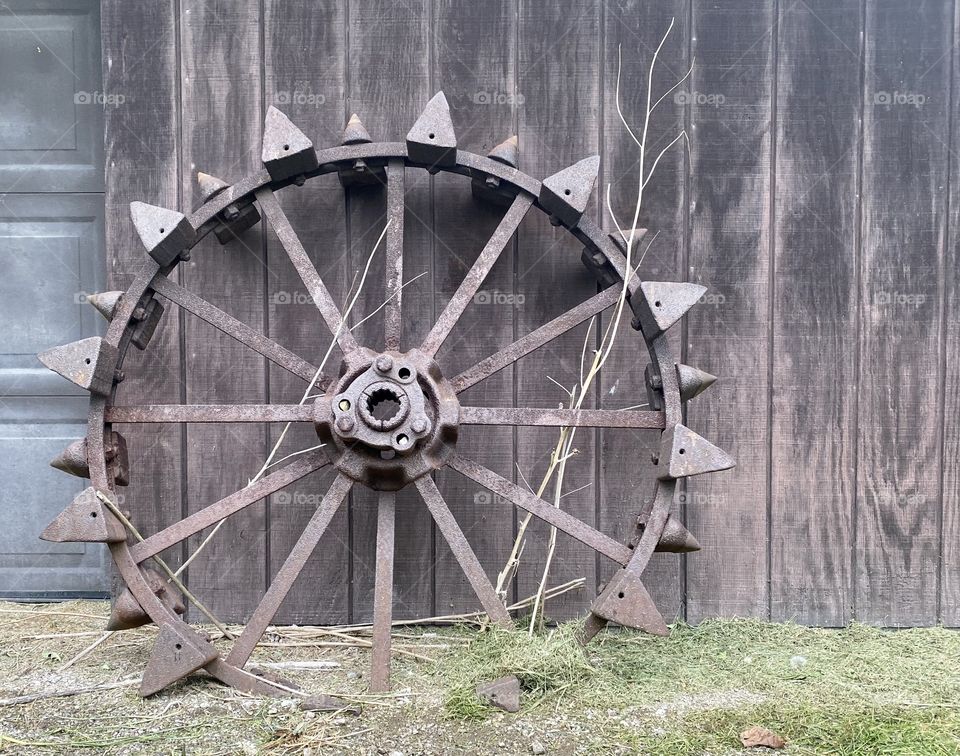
x=390, y=419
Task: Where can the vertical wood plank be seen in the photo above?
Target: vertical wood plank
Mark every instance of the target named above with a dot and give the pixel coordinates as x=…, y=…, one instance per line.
x=950, y=457
x=222, y=120
x=475, y=61
x=637, y=30
x=140, y=63
x=389, y=83
x=304, y=64
x=558, y=76
x=729, y=332
x=905, y=162
x=814, y=295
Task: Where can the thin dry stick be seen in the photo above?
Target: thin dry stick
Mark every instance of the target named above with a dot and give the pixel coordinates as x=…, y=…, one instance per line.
x=563, y=449
x=30, y=697
x=89, y=649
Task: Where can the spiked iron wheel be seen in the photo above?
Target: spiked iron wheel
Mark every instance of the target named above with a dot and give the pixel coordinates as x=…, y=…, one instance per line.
x=391, y=418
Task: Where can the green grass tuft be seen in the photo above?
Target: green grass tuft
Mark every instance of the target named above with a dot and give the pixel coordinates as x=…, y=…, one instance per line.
x=851, y=692
x=545, y=663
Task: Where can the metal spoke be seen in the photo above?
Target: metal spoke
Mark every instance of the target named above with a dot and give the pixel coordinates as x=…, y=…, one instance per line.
x=557, y=418
x=211, y=413
x=383, y=594
x=393, y=325
x=460, y=547
x=550, y=514
x=535, y=339
x=234, y=328
x=288, y=573
x=229, y=505
x=305, y=268
x=477, y=274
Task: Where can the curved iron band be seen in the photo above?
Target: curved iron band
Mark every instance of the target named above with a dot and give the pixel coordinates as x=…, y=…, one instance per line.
x=204, y=220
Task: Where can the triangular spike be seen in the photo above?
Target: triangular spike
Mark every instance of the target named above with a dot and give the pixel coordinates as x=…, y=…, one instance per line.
x=210, y=186
x=625, y=601
x=164, y=233
x=355, y=132
x=127, y=613
x=432, y=140
x=693, y=381
x=507, y=152
x=73, y=459
x=683, y=453
x=663, y=303
x=88, y=363
x=638, y=234
x=86, y=520
x=676, y=539
x=177, y=652
x=287, y=151
x=105, y=302
x=566, y=193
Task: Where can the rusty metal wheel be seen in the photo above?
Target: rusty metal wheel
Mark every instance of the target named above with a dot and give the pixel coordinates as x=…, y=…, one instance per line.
x=389, y=419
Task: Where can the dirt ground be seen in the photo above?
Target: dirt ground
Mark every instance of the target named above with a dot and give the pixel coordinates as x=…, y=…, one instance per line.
x=692, y=693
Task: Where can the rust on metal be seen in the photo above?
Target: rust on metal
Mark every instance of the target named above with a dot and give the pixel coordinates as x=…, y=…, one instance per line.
x=391, y=417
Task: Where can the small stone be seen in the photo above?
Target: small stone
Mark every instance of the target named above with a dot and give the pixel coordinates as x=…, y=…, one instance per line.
x=537, y=747
x=798, y=661
x=504, y=693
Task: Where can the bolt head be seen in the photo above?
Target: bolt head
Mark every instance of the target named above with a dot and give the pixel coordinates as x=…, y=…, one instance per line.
x=345, y=424
x=384, y=363
x=420, y=425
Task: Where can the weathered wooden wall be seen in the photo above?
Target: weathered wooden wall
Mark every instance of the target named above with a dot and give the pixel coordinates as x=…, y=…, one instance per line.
x=815, y=201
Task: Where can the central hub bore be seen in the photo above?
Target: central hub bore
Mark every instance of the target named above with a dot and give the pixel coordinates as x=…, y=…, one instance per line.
x=389, y=419
x=383, y=407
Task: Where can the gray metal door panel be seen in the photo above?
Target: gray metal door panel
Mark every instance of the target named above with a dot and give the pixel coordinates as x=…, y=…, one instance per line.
x=51, y=257
x=51, y=103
